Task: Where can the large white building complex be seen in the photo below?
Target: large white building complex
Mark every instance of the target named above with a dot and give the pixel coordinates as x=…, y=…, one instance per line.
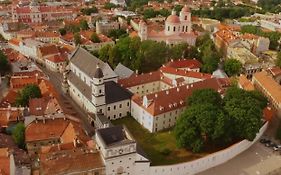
x=177, y=29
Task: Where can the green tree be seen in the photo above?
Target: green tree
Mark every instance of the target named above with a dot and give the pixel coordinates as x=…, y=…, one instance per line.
x=27, y=93
x=18, y=135
x=202, y=96
x=164, y=12
x=117, y=33
x=232, y=67
x=4, y=64
x=84, y=25
x=77, y=39
x=109, y=5
x=89, y=11
x=62, y=31
x=149, y=13
x=95, y=38
x=245, y=112
x=278, y=60
x=200, y=124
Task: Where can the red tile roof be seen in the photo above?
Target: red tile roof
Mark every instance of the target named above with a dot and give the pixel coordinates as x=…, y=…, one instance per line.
x=174, y=98
x=57, y=58
x=5, y=161
x=8, y=115
x=49, y=50
x=18, y=82
x=51, y=129
x=184, y=63
x=185, y=73
x=14, y=41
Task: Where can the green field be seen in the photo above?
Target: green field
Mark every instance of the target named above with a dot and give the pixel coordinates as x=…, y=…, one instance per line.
x=160, y=147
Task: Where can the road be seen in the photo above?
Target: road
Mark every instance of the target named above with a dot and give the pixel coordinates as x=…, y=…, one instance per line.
x=255, y=154
x=67, y=102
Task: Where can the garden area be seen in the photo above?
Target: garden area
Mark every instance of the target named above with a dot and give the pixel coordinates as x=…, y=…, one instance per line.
x=160, y=147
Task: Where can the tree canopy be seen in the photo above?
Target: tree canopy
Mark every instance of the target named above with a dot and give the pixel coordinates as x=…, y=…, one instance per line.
x=4, y=64
x=89, y=11
x=27, y=93
x=77, y=38
x=95, y=38
x=270, y=5
x=18, y=135
x=138, y=55
x=117, y=33
x=84, y=25
x=209, y=119
x=232, y=67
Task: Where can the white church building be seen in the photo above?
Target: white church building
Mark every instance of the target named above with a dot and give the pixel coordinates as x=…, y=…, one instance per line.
x=177, y=29
x=92, y=84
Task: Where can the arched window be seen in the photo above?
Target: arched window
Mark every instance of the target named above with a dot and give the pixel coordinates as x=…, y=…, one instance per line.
x=186, y=28
x=182, y=28
x=168, y=28
x=174, y=29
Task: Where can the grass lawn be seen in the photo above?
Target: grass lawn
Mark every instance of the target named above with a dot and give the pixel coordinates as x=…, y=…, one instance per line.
x=160, y=147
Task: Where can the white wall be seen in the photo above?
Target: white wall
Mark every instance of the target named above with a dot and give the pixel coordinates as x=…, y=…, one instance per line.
x=119, y=111
x=206, y=162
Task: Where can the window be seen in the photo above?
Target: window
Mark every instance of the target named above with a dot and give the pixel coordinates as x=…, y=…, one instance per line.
x=100, y=91
x=114, y=107
x=120, y=106
x=120, y=114
x=96, y=173
x=114, y=116
x=168, y=28
x=174, y=29
x=128, y=104
x=185, y=18
x=108, y=108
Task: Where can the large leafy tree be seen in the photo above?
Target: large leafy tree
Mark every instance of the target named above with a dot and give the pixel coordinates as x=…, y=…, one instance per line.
x=18, y=135
x=4, y=64
x=84, y=25
x=204, y=96
x=27, y=93
x=77, y=39
x=117, y=33
x=232, y=67
x=210, y=120
x=95, y=38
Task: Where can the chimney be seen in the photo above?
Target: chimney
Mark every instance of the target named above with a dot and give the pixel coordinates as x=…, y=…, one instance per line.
x=167, y=92
x=59, y=147
x=44, y=120
x=156, y=95
x=137, y=71
x=74, y=142
x=178, y=89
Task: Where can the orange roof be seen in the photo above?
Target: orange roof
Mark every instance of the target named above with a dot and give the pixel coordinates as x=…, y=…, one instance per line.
x=184, y=63
x=49, y=50
x=8, y=115
x=51, y=129
x=57, y=58
x=70, y=161
x=9, y=99
x=18, y=82
x=47, y=34
x=134, y=34
x=5, y=161
x=74, y=131
x=185, y=73
x=275, y=71
x=14, y=41
x=268, y=113
x=268, y=83
x=245, y=83
x=174, y=98
x=135, y=80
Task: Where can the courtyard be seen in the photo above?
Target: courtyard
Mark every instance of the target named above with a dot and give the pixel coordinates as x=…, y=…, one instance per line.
x=160, y=147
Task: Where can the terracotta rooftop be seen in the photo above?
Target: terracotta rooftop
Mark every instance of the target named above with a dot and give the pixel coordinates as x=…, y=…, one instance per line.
x=49, y=50
x=18, y=82
x=9, y=99
x=184, y=63
x=8, y=115
x=14, y=41
x=57, y=58
x=245, y=83
x=51, y=129
x=70, y=161
x=174, y=98
x=268, y=83
x=5, y=161
x=275, y=71
x=185, y=73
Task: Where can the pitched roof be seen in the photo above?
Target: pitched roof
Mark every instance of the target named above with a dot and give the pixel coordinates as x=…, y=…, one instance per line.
x=51, y=129
x=5, y=161
x=245, y=83
x=174, y=98
x=122, y=71
x=49, y=50
x=87, y=63
x=8, y=115
x=185, y=73
x=184, y=63
x=114, y=93
x=70, y=161
x=268, y=83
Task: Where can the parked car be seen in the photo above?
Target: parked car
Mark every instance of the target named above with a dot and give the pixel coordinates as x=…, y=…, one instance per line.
x=270, y=144
x=277, y=147
x=264, y=141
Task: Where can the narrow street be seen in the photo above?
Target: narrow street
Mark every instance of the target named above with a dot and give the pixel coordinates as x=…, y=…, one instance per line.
x=67, y=102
